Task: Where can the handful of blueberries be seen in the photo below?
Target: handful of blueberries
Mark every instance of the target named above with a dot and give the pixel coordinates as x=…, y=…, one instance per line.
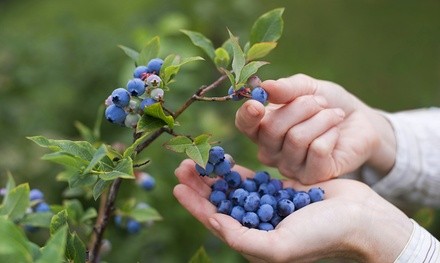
x=260, y=202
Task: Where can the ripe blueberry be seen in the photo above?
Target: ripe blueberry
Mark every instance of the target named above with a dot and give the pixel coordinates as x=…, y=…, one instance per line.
x=285, y=207
x=237, y=213
x=155, y=65
x=233, y=178
x=146, y=181
x=140, y=71
x=225, y=207
x=136, y=87
x=265, y=226
x=216, y=197
x=301, y=199
x=36, y=194
x=147, y=102
x=251, y=220
x=259, y=94
x=133, y=226
x=316, y=194
x=265, y=212
x=216, y=154
x=120, y=97
x=221, y=168
x=115, y=114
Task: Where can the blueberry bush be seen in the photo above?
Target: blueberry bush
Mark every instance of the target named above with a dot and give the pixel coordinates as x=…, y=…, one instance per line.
x=94, y=169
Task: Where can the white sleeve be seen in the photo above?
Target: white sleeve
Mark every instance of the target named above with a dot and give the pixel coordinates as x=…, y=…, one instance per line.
x=421, y=247
x=415, y=176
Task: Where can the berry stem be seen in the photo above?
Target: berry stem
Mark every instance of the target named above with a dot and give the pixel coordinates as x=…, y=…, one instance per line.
x=224, y=98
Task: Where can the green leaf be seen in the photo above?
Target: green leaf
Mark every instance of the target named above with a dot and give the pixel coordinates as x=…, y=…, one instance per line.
x=14, y=246
x=150, y=51
x=227, y=45
x=97, y=157
x=178, y=144
x=170, y=60
x=37, y=219
x=200, y=256
x=268, y=27
x=133, y=54
x=10, y=184
x=259, y=50
x=16, y=202
x=145, y=214
x=74, y=209
x=53, y=251
x=89, y=214
x=81, y=149
x=172, y=68
x=250, y=69
x=230, y=77
x=78, y=179
x=85, y=132
x=35, y=250
x=201, y=41
x=239, y=59
x=65, y=159
x=100, y=187
x=75, y=248
x=154, y=117
x=130, y=150
x=124, y=169
x=202, y=139
x=58, y=221
x=222, y=58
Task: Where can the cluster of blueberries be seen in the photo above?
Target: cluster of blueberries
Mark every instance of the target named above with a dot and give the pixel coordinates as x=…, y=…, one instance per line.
x=260, y=202
x=125, y=105
x=131, y=225
x=252, y=90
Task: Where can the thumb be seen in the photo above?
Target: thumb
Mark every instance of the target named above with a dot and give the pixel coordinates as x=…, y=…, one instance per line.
x=285, y=90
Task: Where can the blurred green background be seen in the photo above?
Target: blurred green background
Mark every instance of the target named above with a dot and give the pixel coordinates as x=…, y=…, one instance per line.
x=59, y=60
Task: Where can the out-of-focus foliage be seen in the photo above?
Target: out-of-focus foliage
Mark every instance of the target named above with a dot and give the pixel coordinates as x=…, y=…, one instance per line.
x=59, y=60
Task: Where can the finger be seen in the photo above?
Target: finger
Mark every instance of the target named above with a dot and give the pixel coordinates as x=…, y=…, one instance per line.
x=276, y=123
x=320, y=164
x=252, y=242
x=298, y=139
x=187, y=174
x=197, y=205
x=248, y=117
x=285, y=90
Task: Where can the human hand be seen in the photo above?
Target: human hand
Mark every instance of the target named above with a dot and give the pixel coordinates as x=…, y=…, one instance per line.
x=314, y=130
x=351, y=222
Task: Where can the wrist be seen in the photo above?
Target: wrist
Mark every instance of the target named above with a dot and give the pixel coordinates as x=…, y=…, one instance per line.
x=383, y=152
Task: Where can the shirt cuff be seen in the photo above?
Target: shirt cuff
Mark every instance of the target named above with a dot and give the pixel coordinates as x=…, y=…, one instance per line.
x=421, y=247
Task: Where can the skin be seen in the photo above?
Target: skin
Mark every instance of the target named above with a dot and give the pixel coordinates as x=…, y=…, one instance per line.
x=352, y=222
x=314, y=130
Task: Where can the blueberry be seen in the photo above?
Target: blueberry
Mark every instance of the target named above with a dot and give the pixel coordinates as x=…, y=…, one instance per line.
x=291, y=192
x=239, y=196
x=35, y=194
x=118, y=220
x=259, y=94
x=209, y=168
x=277, y=183
x=236, y=96
x=261, y=177
x=268, y=199
x=267, y=188
x=265, y=212
x=249, y=185
x=136, y=87
x=220, y=185
x=252, y=202
x=276, y=219
x=147, y=102
x=223, y=167
x=146, y=181
x=131, y=120
x=301, y=199
x=155, y=65
x=285, y=207
x=153, y=80
x=139, y=72
x=282, y=194
x=115, y=114
x=251, y=220
x=42, y=207
x=237, y=213
x=216, y=197
x=120, y=97
x=133, y=226
x=233, y=178
x=316, y=194
x=265, y=226
x=224, y=207
x=216, y=154
x=157, y=94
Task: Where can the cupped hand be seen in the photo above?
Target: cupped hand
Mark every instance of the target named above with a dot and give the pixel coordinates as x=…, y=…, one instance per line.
x=314, y=130
x=352, y=222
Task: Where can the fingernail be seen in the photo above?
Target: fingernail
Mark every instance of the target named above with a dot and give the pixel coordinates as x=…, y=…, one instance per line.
x=252, y=110
x=340, y=112
x=214, y=223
